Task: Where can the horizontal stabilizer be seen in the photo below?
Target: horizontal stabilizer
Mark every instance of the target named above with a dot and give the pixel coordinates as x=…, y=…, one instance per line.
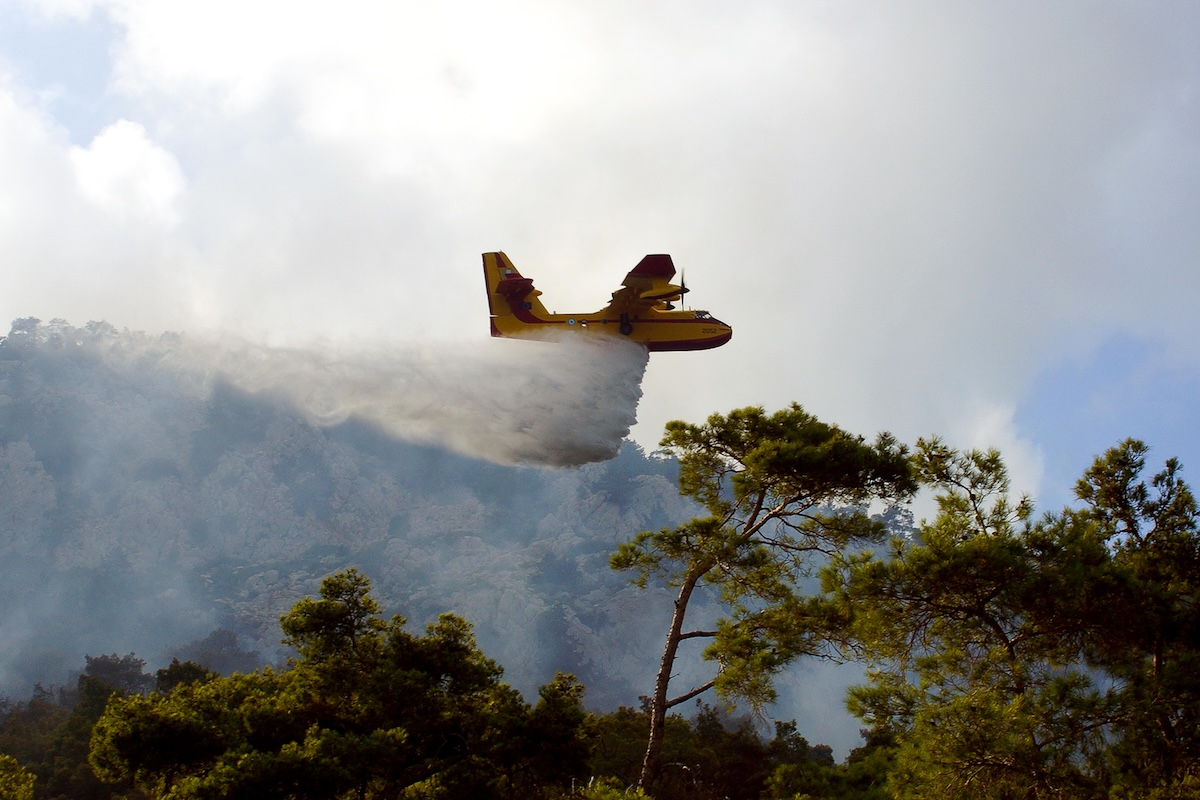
x=655, y=266
x=515, y=289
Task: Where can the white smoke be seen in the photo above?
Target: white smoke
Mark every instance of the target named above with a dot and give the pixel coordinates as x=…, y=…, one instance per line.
x=560, y=403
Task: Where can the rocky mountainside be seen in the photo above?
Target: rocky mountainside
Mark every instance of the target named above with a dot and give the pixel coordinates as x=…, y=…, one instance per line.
x=148, y=502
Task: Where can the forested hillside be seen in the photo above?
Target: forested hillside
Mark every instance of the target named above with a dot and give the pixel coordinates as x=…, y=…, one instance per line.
x=149, y=505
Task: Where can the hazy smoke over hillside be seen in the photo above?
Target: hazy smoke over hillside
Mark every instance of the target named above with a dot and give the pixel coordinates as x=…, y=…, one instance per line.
x=513, y=402
x=166, y=496
x=154, y=489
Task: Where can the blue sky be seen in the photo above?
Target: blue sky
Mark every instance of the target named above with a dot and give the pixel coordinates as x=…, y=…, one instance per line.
x=1125, y=388
x=66, y=61
x=964, y=219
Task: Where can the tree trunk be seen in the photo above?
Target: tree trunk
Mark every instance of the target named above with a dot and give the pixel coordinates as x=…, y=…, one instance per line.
x=658, y=702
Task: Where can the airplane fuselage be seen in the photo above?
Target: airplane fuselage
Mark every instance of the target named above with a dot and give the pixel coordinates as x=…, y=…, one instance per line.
x=649, y=319
x=658, y=330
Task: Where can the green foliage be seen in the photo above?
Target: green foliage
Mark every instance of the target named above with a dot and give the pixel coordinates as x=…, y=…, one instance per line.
x=177, y=672
x=49, y=734
x=219, y=653
x=1150, y=644
x=1015, y=658
x=368, y=709
x=344, y=620
x=617, y=742
x=28, y=730
x=554, y=737
x=738, y=464
x=865, y=774
x=125, y=674
x=782, y=491
x=16, y=783
x=610, y=789
x=710, y=756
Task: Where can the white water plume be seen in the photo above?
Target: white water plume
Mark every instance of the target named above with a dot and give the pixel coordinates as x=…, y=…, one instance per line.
x=548, y=403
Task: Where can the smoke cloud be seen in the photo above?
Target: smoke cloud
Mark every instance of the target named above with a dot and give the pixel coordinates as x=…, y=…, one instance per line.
x=560, y=403
x=154, y=489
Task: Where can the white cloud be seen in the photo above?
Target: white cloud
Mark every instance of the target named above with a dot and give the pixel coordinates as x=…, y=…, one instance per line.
x=123, y=172
x=905, y=211
x=988, y=427
x=363, y=71
x=64, y=256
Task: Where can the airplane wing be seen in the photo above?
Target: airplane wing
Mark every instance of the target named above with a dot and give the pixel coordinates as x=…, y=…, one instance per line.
x=647, y=284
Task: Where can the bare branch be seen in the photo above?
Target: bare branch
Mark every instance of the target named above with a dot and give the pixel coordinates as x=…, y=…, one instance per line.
x=699, y=690
x=697, y=635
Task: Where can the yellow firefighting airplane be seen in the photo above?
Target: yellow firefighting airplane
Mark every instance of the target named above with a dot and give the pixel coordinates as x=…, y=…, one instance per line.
x=641, y=309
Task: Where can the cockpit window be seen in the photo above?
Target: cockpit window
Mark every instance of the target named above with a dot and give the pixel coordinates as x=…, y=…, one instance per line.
x=707, y=316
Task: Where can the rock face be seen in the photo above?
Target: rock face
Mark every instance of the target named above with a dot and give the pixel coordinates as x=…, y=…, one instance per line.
x=146, y=502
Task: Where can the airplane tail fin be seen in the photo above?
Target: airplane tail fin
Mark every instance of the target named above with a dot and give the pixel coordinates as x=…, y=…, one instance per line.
x=511, y=297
